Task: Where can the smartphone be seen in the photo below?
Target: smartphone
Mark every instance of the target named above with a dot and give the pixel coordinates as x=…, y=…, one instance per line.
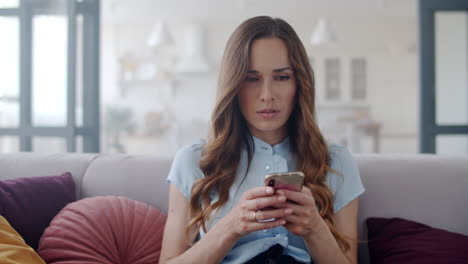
x=285, y=180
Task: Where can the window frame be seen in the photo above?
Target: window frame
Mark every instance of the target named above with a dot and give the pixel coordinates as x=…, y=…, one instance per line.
x=428, y=128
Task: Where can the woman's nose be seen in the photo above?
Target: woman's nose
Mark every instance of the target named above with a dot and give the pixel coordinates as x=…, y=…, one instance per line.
x=266, y=92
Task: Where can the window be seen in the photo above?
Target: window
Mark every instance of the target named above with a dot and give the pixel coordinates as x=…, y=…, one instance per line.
x=50, y=59
x=444, y=87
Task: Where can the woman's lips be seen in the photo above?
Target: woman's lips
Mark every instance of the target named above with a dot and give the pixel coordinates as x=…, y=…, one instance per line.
x=268, y=113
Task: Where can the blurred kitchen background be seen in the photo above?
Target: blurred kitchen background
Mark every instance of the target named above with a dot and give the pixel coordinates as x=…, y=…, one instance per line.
x=139, y=77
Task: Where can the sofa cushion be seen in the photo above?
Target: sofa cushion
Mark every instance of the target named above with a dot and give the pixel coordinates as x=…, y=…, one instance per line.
x=29, y=204
x=13, y=249
x=104, y=229
x=396, y=240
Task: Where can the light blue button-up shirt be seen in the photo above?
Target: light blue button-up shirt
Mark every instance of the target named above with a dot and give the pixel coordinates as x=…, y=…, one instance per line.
x=185, y=171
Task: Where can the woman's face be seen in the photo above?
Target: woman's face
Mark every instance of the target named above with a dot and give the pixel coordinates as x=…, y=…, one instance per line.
x=267, y=97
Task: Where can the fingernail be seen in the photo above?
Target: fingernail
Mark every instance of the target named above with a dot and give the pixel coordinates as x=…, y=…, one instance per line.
x=281, y=198
x=283, y=222
x=288, y=211
x=269, y=190
x=280, y=192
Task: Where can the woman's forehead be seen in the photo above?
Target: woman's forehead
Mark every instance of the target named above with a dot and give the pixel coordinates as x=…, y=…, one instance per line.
x=268, y=54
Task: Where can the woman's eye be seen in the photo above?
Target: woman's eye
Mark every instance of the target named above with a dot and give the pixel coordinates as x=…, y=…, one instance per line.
x=251, y=79
x=283, y=77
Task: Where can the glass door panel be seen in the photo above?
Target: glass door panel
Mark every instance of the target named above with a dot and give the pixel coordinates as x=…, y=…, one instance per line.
x=49, y=72
x=9, y=69
x=451, y=57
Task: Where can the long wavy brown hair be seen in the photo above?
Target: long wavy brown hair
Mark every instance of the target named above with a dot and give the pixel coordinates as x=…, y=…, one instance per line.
x=222, y=152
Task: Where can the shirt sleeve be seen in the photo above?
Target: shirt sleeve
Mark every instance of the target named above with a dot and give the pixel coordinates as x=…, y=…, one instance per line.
x=346, y=184
x=185, y=168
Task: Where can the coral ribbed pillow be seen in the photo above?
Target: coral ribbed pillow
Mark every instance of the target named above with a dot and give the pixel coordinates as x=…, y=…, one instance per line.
x=104, y=229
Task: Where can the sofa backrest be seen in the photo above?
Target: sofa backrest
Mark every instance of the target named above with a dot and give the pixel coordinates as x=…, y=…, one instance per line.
x=426, y=188
x=28, y=164
x=429, y=189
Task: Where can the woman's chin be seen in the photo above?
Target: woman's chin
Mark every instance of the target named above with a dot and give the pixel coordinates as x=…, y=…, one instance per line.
x=269, y=128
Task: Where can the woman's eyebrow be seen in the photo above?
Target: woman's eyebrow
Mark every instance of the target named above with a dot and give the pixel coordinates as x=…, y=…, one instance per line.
x=275, y=70
x=282, y=69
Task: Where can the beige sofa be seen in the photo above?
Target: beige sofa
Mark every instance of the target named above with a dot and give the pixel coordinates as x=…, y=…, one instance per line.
x=426, y=188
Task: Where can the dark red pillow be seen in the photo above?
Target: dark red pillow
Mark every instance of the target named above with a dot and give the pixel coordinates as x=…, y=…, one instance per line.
x=396, y=240
x=29, y=204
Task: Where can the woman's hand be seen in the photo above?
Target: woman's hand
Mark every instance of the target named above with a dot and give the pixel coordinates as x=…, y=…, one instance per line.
x=305, y=219
x=245, y=217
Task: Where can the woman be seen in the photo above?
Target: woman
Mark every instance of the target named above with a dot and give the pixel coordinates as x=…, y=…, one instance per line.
x=263, y=122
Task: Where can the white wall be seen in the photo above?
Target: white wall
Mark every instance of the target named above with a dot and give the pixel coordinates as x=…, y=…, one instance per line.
x=388, y=43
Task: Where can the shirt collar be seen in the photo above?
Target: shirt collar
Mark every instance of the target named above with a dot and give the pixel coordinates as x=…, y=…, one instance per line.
x=281, y=148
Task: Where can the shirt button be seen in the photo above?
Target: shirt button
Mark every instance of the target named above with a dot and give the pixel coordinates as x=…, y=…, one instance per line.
x=267, y=167
x=265, y=247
